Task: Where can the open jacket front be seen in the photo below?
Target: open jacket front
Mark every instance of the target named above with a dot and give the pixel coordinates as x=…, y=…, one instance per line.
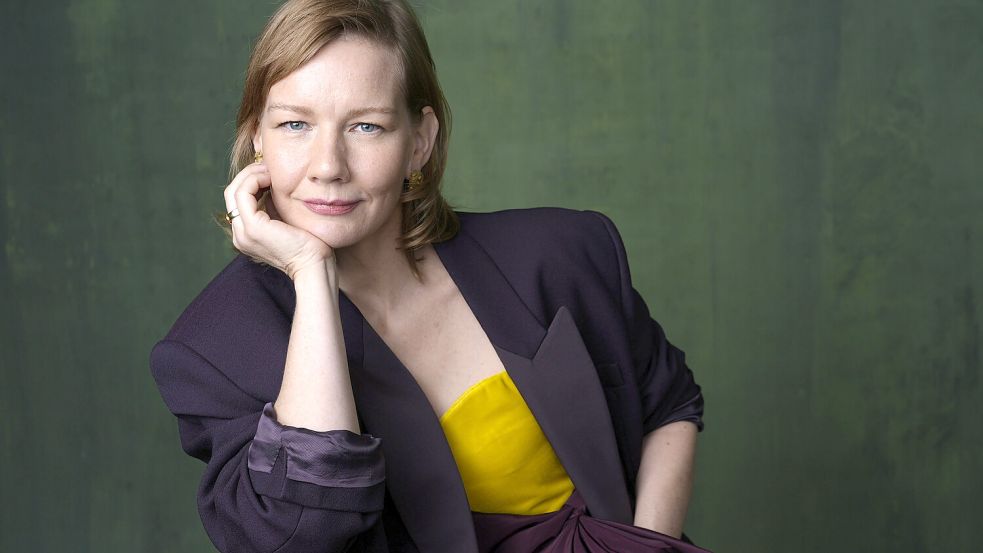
x=551, y=289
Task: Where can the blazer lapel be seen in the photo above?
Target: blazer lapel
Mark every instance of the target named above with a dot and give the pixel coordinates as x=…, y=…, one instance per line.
x=421, y=474
x=563, y=391
x=551, y=368
x=553, y=371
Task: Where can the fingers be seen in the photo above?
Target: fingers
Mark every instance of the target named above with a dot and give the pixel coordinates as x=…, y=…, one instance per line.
x=247, y=195
x=242, y=194
x=271, y=210
x=250, y=178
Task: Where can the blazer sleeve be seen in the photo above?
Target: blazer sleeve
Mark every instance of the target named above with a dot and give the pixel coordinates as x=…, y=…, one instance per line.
x=267, y=487
x=669, y=392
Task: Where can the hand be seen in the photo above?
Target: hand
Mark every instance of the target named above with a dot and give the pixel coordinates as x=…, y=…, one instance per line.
x=262, y=234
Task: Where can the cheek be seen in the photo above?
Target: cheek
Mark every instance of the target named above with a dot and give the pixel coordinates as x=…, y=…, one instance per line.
x=284, y=176
x=285, y=161
x=384, y=166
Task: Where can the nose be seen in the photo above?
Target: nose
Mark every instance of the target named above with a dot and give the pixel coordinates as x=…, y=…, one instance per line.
x=329, y=160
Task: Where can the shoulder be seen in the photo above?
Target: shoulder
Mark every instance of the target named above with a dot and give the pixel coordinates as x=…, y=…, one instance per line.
x=551, y=251
x=553, y=232
x=554, y=236
x=226, y=339
x=242, y=298
x=532, y=223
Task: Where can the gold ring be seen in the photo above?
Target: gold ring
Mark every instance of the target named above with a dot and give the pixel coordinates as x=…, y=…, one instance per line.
x=231, y=215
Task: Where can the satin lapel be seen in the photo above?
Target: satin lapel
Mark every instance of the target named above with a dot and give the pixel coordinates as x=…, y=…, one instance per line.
x=421, y=474
x=553, y=371
x=562, y=389
x=503, y=316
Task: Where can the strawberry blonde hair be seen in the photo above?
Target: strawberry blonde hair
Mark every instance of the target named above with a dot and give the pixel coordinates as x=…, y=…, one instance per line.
x=295, y=33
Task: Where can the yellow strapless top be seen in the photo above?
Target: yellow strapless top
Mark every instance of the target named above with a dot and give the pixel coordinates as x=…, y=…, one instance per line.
x=505, y=460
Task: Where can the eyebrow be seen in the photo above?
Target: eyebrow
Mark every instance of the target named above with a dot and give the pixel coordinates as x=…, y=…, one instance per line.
x=310, y=113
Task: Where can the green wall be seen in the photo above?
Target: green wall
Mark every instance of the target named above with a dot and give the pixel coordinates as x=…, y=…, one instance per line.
x=799, y=185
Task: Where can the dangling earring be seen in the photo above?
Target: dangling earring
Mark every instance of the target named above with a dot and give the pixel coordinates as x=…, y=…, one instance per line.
x=258, y=157
x=414, y=182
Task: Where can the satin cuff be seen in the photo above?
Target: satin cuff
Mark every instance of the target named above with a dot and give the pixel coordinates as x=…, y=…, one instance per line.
x=335, y=458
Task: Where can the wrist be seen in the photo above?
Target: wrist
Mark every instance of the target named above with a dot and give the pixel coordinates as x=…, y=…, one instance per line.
x=318, y=273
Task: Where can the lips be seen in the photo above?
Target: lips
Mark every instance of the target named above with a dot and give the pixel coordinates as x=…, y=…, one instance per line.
x=332, y=207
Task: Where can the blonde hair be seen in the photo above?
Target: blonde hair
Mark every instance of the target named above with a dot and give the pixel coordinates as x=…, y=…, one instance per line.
x=295, y=33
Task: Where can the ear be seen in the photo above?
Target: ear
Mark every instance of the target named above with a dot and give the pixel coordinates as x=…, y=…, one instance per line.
x=424, y=137
x=257, y=138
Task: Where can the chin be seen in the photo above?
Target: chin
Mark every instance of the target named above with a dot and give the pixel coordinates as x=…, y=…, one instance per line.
x=338, y=242
x=336, y=237
x=344, y=231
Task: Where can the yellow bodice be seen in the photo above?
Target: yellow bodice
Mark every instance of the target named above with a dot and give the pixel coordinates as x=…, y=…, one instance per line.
x=505, y=460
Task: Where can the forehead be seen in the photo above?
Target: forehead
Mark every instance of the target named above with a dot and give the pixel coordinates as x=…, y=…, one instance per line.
x=347, y=73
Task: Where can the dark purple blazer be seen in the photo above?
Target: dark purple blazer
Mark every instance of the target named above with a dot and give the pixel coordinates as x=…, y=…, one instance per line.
x=551, y=289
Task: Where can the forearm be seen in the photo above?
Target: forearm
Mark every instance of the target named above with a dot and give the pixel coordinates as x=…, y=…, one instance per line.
x=665, y=478
x=265, y=486
x=316, y=392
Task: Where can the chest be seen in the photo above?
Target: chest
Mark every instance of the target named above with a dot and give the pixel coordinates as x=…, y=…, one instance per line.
x=441, y=343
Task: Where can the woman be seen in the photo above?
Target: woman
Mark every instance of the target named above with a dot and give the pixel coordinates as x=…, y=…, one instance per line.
x=378, y=372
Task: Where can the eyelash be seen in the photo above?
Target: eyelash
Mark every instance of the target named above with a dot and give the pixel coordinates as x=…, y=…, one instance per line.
x=286, y=125
x=375, y=129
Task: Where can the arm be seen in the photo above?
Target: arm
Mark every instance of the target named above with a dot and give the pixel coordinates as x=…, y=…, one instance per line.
x=665, y=478
x=269, y=486
x=672, y=409
x=316, y=391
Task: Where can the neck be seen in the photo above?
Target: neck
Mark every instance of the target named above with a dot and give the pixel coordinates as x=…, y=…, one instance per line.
x=374, y=274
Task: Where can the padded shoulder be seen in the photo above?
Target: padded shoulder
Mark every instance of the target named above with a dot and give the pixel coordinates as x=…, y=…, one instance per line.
x=547, y=233
x=242, y=287
x=552, y=256
x=240, y=323
x=537, y=224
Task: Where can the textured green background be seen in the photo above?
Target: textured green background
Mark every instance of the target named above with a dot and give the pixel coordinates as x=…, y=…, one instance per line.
x=799, y=185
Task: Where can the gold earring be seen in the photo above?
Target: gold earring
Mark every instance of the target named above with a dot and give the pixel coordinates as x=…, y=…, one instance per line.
x=258, y=157
x=416, y=179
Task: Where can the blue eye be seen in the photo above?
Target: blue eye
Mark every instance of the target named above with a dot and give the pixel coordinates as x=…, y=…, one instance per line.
x=367, y=127
x=293, y=125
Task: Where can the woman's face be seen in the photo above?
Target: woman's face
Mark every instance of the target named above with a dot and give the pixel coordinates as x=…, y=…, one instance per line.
x=337, y=130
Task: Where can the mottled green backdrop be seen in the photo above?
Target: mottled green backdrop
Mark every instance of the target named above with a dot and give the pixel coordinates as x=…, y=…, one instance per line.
x=799, y=184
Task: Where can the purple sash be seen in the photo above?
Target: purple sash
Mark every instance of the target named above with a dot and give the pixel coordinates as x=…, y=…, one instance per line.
x=569, y=530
